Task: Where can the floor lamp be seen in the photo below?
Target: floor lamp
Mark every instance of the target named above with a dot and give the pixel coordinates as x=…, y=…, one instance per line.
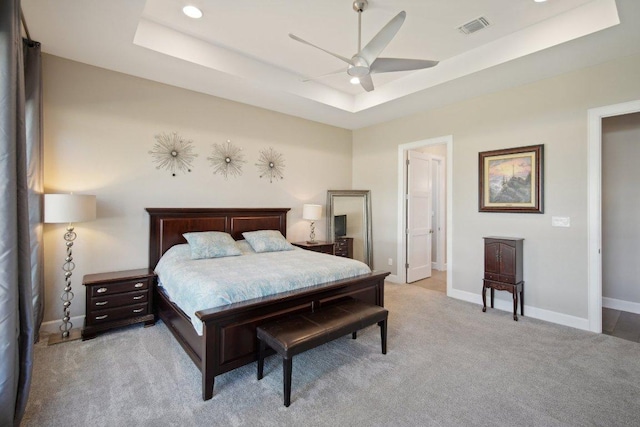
x=68, y=208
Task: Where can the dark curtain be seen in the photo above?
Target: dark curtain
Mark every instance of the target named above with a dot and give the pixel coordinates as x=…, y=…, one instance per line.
x=19, y=205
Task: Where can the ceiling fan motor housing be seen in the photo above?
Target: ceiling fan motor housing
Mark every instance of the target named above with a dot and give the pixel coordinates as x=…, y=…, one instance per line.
x=359, y=67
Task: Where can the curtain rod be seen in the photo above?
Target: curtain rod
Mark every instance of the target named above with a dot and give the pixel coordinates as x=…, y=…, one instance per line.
x=24, y=25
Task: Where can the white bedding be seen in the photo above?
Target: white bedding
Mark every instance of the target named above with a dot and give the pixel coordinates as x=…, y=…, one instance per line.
x=198, y=284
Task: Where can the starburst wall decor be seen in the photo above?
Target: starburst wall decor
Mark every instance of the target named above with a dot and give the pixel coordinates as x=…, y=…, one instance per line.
x=227, y=159
x=173, y=153
x=270, y=164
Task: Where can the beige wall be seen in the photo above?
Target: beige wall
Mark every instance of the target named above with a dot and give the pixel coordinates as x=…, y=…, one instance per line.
x=99, y=127
x=552, y=112
x=621, y=208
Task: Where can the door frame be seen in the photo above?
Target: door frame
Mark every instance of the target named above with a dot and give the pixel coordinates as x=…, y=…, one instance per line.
x=439, y=263
x=401, y=256
x=594, y=184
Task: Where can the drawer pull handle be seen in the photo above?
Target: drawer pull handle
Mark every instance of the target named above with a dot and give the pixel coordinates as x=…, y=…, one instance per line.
x=102, y=302
x=104, y=316
x=102, y=290
x=138, y=310
x=138, y=285
x=138, y=297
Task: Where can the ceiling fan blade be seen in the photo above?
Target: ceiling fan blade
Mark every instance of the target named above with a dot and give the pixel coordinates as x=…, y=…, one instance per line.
x=366, y=83
x=298, y=39
x=386, y=65
x=340, y=71
x=377, y=44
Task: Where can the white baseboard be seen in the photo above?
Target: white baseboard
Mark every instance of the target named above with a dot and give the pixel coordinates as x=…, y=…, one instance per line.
x=53, y=326
x=393, y=278
x=534, y=312
x=618, y=304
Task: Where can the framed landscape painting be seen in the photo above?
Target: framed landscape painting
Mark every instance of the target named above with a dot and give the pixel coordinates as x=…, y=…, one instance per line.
x=511, y=180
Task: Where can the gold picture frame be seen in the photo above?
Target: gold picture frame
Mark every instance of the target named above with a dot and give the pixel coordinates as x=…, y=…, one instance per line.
x=511, y=180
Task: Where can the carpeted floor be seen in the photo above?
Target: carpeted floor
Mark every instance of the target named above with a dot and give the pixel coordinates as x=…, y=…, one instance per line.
x=448, y=364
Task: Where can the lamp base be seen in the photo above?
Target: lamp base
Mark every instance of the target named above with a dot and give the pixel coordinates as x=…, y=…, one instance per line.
x=312, y=242
x=74, y=334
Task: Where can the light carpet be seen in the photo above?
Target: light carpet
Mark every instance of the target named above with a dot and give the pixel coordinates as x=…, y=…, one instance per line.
x=448, y=364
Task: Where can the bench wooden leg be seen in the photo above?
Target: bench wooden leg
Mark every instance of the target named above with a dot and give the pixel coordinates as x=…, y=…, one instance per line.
x=287, y=365
x=383, y=335
x=261, y=360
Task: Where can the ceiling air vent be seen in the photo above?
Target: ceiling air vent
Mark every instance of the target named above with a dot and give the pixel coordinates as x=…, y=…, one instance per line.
x=475, y=25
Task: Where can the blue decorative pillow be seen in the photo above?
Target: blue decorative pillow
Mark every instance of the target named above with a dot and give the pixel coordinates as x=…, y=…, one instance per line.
x=211, y=244
x=267, y=241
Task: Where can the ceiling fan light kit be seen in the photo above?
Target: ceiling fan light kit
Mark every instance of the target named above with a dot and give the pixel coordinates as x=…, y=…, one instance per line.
x=367, y=62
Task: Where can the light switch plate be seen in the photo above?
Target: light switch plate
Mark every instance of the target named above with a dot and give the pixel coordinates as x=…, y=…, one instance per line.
x=560, y=221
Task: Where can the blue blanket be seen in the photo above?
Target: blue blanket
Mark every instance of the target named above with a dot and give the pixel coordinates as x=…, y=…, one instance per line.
x=199, y=284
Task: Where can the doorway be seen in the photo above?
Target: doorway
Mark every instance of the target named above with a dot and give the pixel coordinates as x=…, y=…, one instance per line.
x=441, y=214
x=620, y=228
x=595, y=117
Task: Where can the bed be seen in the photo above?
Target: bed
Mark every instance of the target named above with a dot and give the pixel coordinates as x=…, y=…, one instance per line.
x=228, y=338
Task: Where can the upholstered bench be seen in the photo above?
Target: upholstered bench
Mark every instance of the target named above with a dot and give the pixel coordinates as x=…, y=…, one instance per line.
x=301, y=332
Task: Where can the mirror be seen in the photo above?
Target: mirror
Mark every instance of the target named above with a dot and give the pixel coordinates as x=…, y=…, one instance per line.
x=349, y=223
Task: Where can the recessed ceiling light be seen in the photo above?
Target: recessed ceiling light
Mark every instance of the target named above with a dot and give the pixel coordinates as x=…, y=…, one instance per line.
x=354, y=81
x=539, y=1
x=192, y=12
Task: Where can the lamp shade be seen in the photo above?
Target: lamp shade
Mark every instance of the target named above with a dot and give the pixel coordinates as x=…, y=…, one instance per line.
x=60, y=208
x=311, y=212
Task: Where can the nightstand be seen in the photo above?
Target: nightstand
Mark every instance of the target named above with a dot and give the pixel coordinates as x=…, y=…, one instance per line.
x=344, y=247
x=117, y=299
x=323, y=247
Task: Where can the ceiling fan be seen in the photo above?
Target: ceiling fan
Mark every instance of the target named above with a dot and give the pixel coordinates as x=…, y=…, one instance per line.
x=366, y=62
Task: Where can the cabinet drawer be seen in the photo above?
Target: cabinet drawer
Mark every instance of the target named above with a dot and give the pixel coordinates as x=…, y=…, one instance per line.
x=508, y=279
x=119, y=287
x=102, y=303
x=492, y=276
x=104, y=316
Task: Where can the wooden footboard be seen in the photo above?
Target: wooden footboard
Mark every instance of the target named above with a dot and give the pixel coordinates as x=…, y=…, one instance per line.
x=229, y=339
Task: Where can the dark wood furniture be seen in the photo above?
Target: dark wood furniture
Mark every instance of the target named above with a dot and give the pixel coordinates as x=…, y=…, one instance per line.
x=118, y=299
x=503, y=270
x=301, y=332
x=229, y=338
x=344, y=247
x=322, y=247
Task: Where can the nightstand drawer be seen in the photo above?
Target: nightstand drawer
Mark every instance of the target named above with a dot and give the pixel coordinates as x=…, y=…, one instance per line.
x=102, y=303
x=119, y=287
x=126, y=312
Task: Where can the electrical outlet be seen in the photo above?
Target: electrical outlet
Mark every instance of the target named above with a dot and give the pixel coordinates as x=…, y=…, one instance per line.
x=560, y=221
x=390, y=261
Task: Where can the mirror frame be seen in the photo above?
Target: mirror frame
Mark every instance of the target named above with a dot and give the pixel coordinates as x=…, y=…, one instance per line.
x=366, y=220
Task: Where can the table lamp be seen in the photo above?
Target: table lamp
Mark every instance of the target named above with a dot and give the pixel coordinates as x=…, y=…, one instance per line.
x=312, y=213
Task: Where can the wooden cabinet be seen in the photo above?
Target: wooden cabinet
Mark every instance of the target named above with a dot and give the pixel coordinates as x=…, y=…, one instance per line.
x=344, y=247
x=322, y=247
x=503, y=270
x=118, y=299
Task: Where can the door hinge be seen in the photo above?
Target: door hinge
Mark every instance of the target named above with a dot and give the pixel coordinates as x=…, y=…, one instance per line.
x=408, y=162
x=406, y=265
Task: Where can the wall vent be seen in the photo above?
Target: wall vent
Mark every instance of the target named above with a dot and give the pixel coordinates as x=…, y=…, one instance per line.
x=475, y=25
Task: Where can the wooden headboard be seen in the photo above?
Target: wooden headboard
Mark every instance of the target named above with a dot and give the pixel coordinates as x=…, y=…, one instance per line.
x=168, y=224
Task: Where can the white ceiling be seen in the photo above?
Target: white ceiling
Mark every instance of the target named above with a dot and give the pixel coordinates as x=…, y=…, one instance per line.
x=240, y=50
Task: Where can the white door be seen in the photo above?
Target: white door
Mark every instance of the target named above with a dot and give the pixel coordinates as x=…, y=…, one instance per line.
x=419, y=214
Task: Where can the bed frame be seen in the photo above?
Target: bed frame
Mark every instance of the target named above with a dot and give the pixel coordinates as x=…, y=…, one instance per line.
x=229, y=338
